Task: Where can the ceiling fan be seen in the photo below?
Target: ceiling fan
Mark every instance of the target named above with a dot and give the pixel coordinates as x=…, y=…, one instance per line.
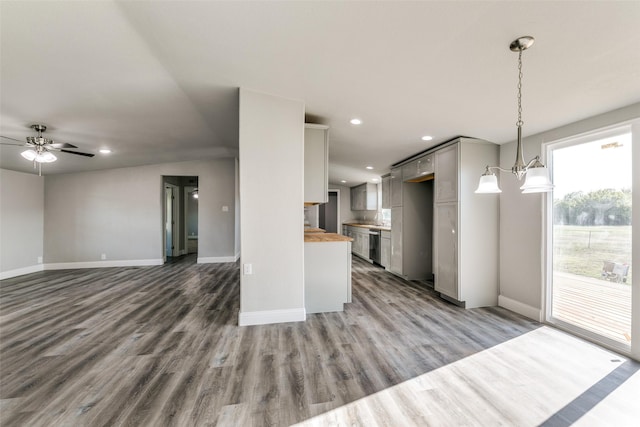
x=40, y=148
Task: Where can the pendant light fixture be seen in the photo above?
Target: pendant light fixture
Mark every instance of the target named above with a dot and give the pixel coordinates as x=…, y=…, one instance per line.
x=537, y=175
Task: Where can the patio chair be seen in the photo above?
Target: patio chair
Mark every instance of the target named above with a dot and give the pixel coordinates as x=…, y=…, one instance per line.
x=615, y=271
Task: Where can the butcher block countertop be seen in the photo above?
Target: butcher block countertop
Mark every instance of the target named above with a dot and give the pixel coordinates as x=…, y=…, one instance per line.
x=314, y=230
x=369, y=226
x=325, y=237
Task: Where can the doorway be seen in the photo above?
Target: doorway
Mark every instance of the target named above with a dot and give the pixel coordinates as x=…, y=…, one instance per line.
x=329, y=213
x=589, y=236
x=180, y=216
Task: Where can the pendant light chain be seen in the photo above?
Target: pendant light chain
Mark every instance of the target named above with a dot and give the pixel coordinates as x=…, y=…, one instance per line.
x=519, y=123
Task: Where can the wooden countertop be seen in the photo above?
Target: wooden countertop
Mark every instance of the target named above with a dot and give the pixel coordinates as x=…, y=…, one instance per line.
x=314, y=230
x=325, y=237
x=369, y=226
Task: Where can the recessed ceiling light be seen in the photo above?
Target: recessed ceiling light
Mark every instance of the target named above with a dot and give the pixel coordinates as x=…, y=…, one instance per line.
x=356, y=121
x=374, y=179
x=370, y=167
x=105, y=150
x=427, y=138
x=343, y=181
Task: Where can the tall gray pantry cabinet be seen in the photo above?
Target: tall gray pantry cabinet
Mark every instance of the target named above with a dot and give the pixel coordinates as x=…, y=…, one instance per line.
x=465, y=241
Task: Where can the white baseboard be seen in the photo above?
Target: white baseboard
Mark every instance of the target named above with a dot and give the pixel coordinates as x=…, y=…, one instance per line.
x=21, y=271
x=520, y=308
x=101, y=264
x=237, y=257
x=271, y=316
x=216, y=259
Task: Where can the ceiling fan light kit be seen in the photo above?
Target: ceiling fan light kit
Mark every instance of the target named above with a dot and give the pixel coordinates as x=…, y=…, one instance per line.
x=537, y=175
x=34, y=156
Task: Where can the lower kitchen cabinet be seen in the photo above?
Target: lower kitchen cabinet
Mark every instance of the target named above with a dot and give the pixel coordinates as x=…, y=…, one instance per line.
x=445, y=258
x=385, y=249
x=360, y=238
x=327, y=276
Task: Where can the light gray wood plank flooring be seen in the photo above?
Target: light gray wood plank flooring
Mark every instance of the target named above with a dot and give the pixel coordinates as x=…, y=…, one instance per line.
x=161, y=346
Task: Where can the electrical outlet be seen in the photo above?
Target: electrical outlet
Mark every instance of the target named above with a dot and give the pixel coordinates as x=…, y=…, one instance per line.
x=39, y=260
x=247, y=269
x=103, y=256
x=225, y=209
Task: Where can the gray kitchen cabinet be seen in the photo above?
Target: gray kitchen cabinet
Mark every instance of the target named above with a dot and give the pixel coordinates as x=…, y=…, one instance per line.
x=386, y=192
x=360, y=245
x=316, y=163
x=327, y=276
x=358, y=198
x=445, y=257
x=426, y=165
x=364, y=197
x=396, y=187
x=364, y=243
x=395, y=263
x=446, y=168
x=465, y=244
x=385, y=249
x=418, y=168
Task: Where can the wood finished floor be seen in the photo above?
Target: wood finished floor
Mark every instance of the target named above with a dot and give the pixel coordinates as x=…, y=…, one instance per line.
x=161, y=346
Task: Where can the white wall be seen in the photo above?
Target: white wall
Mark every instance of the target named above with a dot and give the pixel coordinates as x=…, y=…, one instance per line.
x=521, y=226
x=272, y=240
x=118, y=212
x=21, y=223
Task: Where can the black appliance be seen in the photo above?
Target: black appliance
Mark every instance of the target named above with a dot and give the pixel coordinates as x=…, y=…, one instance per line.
x=374, y=246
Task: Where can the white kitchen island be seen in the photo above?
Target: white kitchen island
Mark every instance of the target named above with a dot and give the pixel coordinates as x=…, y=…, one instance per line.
x=327, y=272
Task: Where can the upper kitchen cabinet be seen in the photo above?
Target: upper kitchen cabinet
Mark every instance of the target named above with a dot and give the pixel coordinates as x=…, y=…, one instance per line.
x=386, y=192
x=446, y=169
x=364, y=197
x=396, y=187
x=419, y=169
x=316, y=163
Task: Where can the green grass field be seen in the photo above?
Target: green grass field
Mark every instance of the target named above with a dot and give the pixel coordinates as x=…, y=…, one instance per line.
x=582, y=250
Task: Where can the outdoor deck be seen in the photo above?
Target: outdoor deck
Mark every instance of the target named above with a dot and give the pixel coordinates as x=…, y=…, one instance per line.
x=595, y=305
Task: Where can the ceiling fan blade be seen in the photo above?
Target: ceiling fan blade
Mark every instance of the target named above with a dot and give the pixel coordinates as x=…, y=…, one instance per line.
x=76, y=152
x=62, y=145
x=13, y=139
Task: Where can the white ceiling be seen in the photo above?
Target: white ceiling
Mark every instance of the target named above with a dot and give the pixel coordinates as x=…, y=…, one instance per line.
x=157, y=81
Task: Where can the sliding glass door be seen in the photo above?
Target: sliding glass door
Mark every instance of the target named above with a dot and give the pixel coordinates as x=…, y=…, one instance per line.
x=590, y=236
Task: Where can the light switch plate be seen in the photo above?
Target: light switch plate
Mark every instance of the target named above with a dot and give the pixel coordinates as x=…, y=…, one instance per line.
x=247, y=269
